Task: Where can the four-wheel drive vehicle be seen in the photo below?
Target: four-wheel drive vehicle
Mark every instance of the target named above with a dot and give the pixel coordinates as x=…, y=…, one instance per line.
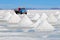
x=20, y=11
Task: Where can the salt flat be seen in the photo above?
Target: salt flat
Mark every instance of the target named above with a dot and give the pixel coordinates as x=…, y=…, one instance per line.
x=49, y=21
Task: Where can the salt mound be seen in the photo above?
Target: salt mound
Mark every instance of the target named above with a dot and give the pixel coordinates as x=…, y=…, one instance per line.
x=31, y=15
x=45, y=26
x=35, y=25
x=36, y=17
x=58, y=17
x=52, y=18
x=14, y=19
x=28, y=12
x=2, y=11
x=39, y=21
x=5, y=15
x=44, y=16
x=12, y=12
x=57, y=13
x=25, y=22
x=2, y=14
x=8, y=15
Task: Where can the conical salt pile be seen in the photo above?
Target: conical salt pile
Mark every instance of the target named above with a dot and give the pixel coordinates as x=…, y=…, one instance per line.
x=31, y=15
x=14, y=19
x=39, y=21
x=8, y=15
x=45, y=26
x=43, y=16
x=12, y=12
x=36, y=17
x=52, y=18
x=2, y=14
x=13, y=22
x=35, y=25
x=57, y=13
x=2, y=11
x=28, y=12
x=4, y=17
x=25, y=22
x=58, y=17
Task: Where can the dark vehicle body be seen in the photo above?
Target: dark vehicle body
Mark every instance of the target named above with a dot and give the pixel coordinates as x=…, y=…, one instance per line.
x=20, y=11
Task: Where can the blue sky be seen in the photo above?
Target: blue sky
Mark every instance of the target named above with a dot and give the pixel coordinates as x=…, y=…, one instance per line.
x=29, y=3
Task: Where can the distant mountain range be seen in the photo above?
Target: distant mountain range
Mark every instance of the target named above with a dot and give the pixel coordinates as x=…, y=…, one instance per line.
x=34, y=9
x=42, y=8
